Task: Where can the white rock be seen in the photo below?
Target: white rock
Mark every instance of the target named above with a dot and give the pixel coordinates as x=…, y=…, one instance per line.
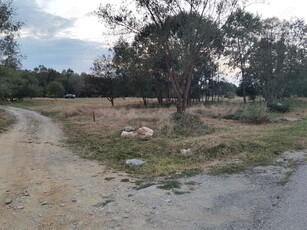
x=186, y=152
x=129, y=129
x=145, y=132
x=128, y=134
x=135, y=162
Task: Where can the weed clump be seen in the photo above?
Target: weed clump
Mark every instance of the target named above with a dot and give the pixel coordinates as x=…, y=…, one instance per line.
x=277, y=107
x=251, y=113
x=5, y=120
x=255, y=113
x=186, y=124
x=228, y=169
x=170, y=185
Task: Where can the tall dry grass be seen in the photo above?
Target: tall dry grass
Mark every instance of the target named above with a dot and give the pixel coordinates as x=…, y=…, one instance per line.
x=109, y=120
x=5, y=120
x=216, y=110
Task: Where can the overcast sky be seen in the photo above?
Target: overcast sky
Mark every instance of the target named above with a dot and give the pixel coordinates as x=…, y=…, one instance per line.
x=62, y=34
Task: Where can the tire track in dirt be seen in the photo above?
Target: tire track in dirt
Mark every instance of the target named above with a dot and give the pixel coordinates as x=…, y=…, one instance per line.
x=50, y=188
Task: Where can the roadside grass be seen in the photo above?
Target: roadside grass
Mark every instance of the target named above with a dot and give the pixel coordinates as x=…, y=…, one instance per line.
x=293, y=167
x=218, y=145
x=227, y=169
x=5, y=120
x=168, y=185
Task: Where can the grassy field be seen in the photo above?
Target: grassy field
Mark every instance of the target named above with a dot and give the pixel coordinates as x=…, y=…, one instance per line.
x=216, y=144
x=5, y=120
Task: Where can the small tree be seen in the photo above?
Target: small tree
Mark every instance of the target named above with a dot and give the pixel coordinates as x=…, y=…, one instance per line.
x=252, y=89
x=105, y=71
x=55, y=89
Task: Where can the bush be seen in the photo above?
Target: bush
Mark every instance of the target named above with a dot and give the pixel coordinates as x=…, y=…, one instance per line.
x=254, y=113
x=278, y=107
x=230, y=95
x=234, y=116
x=189, y=125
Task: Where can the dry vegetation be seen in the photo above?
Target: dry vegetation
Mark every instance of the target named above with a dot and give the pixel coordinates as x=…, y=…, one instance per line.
x=5, y=120
x=230, y=144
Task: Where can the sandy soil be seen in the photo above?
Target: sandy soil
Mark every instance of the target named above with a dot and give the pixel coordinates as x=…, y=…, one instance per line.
x=43, y=185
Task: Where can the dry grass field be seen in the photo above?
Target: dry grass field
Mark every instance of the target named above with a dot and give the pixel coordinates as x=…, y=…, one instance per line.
x=217, y=144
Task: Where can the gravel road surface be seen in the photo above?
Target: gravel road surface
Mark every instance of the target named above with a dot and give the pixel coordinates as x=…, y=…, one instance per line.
x=291, y=212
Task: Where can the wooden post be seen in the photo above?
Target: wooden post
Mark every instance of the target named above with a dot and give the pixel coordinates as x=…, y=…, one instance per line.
x=94, y=118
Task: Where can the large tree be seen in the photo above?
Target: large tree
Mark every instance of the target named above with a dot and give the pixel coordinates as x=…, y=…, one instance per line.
x=242, y=32
x=9, y=55
x=183, y=31
x=278, y=56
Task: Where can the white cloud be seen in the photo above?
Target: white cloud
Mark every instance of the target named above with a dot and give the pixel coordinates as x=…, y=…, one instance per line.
x=68, y=33
x=59, y=40
x=62, y=53
x=280, y=8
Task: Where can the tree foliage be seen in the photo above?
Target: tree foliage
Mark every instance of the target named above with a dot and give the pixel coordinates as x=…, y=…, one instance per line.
x=242, y=31
x=183, y=32
x=9, y=55
x=278, y=57
x=105, y=79
x=55, y=89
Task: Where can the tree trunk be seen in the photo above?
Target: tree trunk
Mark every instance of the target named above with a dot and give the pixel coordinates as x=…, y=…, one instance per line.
x=111, y=99
x=179, y=104
x=244, y=89
x=144, y=101
x=187, y=87
x=159, y=96
x=181, y=95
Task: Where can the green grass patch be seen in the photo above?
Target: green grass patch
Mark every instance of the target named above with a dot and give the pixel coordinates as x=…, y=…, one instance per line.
x=50, y=113
x=280, y=139
x=188, y=173
x=172, y=184
x=115, y=150
x=228, y=169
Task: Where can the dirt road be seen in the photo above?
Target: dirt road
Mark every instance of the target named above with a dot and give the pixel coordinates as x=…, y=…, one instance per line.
x=291, y=211
x=43, y=185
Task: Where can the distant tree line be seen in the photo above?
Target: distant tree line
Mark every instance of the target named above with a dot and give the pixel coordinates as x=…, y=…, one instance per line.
x=47, y=82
